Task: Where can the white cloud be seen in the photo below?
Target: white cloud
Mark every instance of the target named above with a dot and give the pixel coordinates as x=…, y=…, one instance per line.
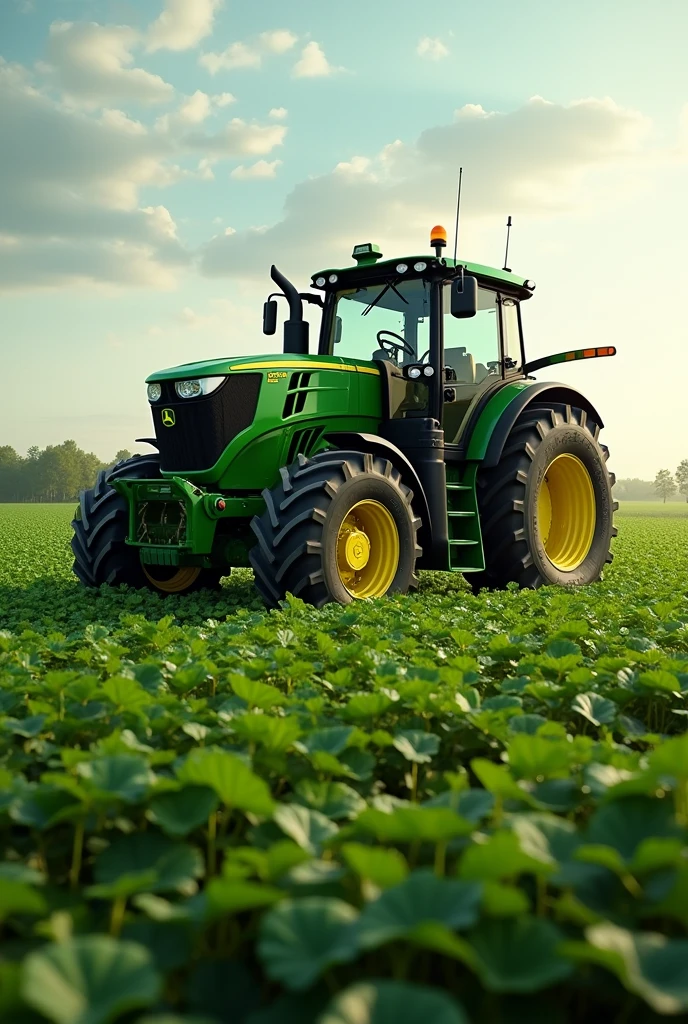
x=533, y=161
x=239, y=138
x=278, y=41
x=313, y=63
x=193, y=110
x=92, y=64
x=249, y=55
x=278, y=113
x=224, y=99
x=74, y=216
x=182, y=24
x=261, y=169
x=237, y=55
x=431, y=49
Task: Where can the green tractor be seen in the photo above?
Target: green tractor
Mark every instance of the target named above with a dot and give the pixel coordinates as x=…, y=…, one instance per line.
x=414, y=437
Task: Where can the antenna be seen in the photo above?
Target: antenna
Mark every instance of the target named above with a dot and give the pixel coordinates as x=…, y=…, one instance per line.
x=506, y=254
x=458, y=210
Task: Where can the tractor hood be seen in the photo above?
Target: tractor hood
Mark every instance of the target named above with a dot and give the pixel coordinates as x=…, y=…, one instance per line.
x=221, y=367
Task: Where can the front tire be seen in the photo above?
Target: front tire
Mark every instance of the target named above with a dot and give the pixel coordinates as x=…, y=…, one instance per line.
x=101, y=527
x=546, y=510
x=338, y=527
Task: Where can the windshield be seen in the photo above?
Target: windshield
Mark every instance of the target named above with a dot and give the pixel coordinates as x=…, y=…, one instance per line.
x=365, y=316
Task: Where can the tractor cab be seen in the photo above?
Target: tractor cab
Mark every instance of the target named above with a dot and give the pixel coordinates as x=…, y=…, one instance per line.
x=442, y=331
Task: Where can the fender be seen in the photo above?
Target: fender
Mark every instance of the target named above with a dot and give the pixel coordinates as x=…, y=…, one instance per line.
x=377, y=445
x=503, y=409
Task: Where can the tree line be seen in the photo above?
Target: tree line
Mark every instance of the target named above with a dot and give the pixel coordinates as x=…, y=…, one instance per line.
x=59, y=472
x=56, y=473
x=667, y=484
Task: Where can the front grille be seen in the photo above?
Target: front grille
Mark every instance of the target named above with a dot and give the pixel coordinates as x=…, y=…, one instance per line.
x=161, y=522
x=203, y=427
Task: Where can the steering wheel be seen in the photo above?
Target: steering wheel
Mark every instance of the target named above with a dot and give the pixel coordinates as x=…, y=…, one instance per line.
x=403, y=347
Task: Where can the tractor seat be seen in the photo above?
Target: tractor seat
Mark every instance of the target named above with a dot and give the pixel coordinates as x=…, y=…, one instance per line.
x=462, y=362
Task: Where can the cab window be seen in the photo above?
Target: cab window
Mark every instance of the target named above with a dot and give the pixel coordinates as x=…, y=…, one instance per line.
x=511, y=333
x=381, y=322
x=471, y=346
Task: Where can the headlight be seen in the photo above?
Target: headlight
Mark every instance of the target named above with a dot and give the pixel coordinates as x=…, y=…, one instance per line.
x=414, y=372
x=428, y=370
x=194, y=388
x=154, y=392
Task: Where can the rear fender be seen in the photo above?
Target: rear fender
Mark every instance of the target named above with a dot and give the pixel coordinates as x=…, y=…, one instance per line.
x=501, y=412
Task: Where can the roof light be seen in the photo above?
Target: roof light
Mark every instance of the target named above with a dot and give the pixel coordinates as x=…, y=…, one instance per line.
x=366, y=253
x=420, y=267
x=414, y=372
x=333, y=279
x=438, y=235
x=428, y=370
x=530, y=285
x=320, y=282
x=401, y=268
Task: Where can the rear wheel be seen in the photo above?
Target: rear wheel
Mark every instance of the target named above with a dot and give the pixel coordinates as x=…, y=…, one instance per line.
x=101, y=526
x=338, y=527
x=546, y=510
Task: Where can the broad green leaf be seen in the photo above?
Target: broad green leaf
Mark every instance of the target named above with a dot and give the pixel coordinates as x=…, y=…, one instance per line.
x=364, y=706
x=518, y=954
x=419, y=898
x=534, y=757
x=333, y=740
x=175, y=866
x=501, y=900
x=310, y=829
x=256, y=694
x=181, y=811
x=648, y=964
x=335, y=800
x=19, y=898
x=416, y=745
x=233, y=781
x=501, y=856
x=232, y=896
x=382, y=867
x=624, y=824
x=125, y=777
x=596, y=709
x=92, y=979
x=299, y=939
x=406, y=824
x=392, y=1002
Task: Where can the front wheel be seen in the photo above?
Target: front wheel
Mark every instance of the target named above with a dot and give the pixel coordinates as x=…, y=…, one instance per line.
x=101, y=525
x=546, y=510
x=338, y=527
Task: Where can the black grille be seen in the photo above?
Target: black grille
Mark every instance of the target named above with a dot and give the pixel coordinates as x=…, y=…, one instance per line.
x=296, y=393
x=203, y=427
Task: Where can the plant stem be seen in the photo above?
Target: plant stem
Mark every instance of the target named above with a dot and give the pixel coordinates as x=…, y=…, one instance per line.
x=414, y=782
x=77, y=853
x=212, y=850
x=117, y=916
x=440, y=858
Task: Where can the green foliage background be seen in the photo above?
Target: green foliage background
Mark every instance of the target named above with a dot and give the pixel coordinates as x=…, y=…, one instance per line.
x=439, y=807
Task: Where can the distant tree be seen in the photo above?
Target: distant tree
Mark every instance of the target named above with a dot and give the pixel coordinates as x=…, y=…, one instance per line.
x=664, y=484
x=681, y=478
x=9, y=458
x=122, y=454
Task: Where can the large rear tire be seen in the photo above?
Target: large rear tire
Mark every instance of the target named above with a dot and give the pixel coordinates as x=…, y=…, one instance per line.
x=337, y=527
x=101, y=526
x=546, y=510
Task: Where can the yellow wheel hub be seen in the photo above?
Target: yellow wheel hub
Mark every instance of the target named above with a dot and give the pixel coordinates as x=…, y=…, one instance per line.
x=566, y=512
x=367, y=549
x=178, y=582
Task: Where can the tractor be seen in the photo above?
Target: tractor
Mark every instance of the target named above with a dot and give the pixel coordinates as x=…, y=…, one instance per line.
x=412, y=435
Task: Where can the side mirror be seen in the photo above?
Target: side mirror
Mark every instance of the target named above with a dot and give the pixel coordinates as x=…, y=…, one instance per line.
x=270, y=316
x=464, y=296
x=337, y=329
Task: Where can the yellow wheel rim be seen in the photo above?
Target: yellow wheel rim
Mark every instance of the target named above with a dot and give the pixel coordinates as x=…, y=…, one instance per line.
x=566, y=512
x=181, y=580
x=367, y=549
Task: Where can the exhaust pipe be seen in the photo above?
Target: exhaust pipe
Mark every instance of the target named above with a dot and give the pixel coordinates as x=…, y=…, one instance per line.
x=295, y=328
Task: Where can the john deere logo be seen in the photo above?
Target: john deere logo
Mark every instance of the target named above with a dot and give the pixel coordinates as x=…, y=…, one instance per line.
x=168, y=418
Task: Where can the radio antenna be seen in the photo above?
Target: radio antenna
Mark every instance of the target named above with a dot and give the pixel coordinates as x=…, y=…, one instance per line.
x=506, y=254
x=458, y=210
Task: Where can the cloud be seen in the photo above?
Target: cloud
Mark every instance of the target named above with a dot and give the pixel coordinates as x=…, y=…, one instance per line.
x=431, y=49
x=92, y=64
x=278, y=113
x=193, y=110
x=69, y=185
x=279, y=40
x=313, y=63
x=238, y=138
x=261, y=169
x=249, y=55
x=182, y=24
x=533, y=161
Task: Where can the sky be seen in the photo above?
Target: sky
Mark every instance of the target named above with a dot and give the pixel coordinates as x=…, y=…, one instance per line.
x=157, y=156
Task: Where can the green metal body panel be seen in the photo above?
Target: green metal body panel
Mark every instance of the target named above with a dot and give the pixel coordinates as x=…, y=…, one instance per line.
x=490, y=416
